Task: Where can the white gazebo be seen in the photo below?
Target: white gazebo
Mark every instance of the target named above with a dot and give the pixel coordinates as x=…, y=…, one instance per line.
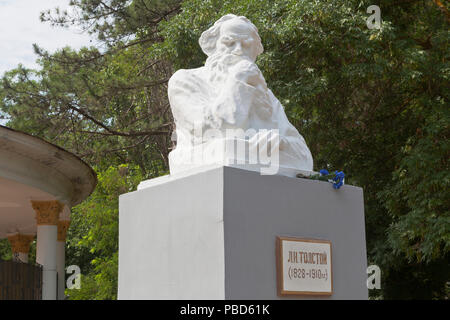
x=39, y=184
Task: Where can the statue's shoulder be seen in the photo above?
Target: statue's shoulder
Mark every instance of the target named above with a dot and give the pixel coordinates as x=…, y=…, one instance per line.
x=185, y=75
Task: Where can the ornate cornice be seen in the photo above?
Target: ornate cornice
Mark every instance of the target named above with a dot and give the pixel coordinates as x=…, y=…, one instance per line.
x=47, y=212
x=63, y=226
x=20, y=243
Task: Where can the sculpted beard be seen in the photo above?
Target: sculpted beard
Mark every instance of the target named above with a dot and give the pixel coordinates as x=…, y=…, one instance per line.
x=225, y=66
x=220, y=64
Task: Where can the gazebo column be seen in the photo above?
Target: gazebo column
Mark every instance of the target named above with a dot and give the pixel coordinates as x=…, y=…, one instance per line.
x=47, y=216
x=63, y=225
x=20, y=245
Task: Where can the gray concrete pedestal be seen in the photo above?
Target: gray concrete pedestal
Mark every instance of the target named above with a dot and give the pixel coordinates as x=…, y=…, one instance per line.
x=212, y=235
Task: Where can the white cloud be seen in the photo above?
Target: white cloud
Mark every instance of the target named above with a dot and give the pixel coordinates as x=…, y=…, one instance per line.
x=20, y=27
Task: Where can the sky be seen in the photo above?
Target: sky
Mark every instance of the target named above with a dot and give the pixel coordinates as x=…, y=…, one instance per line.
x=20, y=27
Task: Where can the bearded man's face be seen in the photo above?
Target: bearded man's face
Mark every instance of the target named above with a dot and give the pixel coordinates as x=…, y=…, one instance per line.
x=237, y=38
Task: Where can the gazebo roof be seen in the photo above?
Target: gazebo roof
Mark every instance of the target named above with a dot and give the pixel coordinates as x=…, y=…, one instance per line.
x=34, y=169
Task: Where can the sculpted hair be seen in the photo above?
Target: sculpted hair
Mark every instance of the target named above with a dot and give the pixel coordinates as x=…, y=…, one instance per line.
x=209, y=38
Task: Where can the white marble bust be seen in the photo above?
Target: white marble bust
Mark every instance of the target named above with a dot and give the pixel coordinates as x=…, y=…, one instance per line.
x=230, y=93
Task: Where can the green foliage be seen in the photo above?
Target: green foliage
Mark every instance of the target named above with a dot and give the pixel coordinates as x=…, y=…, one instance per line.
x=93, y=235
x=103, y=111
x=418, y=196
x=5, y=250
x=88, y=291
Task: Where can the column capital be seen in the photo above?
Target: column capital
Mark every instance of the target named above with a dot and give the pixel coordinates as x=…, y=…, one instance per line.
x=47, y=212
x=20, y=243
x=63, y=225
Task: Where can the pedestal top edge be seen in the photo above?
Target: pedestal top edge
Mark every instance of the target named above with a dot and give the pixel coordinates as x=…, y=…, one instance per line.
x=283, y=171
